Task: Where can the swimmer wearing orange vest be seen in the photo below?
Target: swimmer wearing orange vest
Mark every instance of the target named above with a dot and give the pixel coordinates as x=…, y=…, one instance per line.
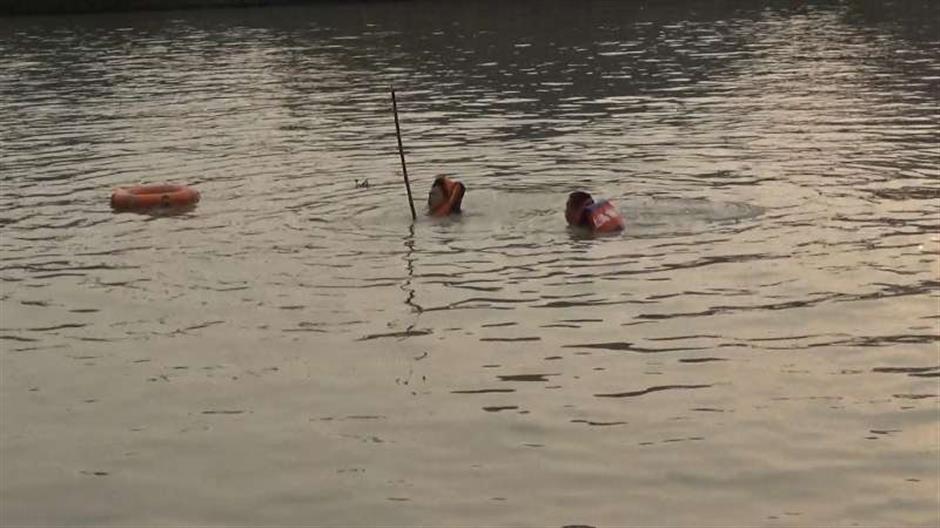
x=445, y=196
x=598, y=217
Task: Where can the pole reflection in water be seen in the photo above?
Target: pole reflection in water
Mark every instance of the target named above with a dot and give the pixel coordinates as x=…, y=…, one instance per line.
x=408, y=284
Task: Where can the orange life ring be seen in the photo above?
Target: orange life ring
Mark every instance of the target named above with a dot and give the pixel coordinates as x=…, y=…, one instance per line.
x=453, y=196
x=141, y=197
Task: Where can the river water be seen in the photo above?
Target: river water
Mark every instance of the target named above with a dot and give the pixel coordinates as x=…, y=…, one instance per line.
x=759, y=347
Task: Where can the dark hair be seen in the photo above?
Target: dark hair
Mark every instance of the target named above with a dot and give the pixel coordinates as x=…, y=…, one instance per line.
x=576, y=207
x=579, y=197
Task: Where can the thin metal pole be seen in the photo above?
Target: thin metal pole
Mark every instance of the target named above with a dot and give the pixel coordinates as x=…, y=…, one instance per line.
x=401, y=152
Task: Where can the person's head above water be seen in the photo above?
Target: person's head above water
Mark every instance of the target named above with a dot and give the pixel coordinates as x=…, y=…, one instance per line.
x=599, y=217
x=445, y=196
x=578, y=201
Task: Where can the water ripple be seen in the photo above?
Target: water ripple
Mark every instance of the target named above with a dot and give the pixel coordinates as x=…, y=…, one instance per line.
x=776, y=165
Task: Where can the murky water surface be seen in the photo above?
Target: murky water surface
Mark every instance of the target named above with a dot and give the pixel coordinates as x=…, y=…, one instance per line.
x=758, y=348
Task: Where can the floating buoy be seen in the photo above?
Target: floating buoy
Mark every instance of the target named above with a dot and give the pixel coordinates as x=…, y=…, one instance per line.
x=141, y=197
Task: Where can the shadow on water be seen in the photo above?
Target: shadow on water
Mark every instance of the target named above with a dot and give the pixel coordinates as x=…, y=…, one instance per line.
x=162, y=211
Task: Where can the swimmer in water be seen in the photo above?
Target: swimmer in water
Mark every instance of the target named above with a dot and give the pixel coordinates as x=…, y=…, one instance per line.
x=598, y=217
x=445, y=196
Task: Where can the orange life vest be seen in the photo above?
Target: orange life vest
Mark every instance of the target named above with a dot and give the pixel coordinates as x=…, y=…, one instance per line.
x=602, y=217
